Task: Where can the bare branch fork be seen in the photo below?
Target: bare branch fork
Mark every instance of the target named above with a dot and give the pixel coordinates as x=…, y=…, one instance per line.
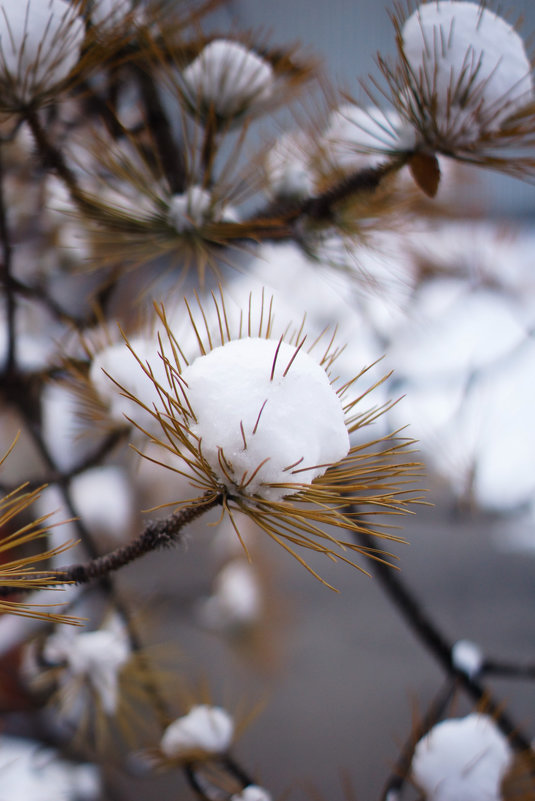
x=438, y=644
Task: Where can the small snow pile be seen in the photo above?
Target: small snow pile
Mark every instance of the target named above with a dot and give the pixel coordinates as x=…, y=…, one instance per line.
x=94, y=656
x=463, y=759
x=467, y=657
x=228, y=78
x=252, y=793
x=40, y=43
x=236, y=602
x=204, y=730
x=470, y=67
x=266, y=414
x=31, y=771
x=195, y=207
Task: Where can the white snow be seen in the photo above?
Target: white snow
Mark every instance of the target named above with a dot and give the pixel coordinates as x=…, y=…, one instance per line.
x=236, y=601
x=462, y=758
x=109, y=14
x=206, y=729
x=196, y=206
x=32, y=771
x=104, y=501
x=40, y=42
x=190, y=209
x=287, y=166
x=95, y=656
x=472, y=62
x=252, y=793
x=118, y=361
x=291, y=422
x=228, y=77
x=467, y=657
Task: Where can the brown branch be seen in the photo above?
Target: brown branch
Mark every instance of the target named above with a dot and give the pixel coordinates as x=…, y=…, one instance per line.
x=279, y=220
x=156, y=535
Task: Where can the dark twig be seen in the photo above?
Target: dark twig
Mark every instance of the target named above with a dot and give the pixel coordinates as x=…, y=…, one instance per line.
x=280, y=219
x=363, y=181
x=401, y=769
x=170, y=156
x=491, y=667
x=208, y=789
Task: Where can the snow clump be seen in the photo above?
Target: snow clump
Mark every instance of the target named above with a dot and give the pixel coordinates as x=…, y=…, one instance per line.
x=264, y=409
x=30, y=770
x=467, y=657
x=40, y=43
x=464, y=758
x=228, y=77
x=194, y=207
x=470, y=67
x=94, y=656
x=205, y=729
x=236, y=602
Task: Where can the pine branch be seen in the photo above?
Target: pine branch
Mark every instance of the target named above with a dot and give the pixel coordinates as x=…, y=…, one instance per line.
x=156, y=535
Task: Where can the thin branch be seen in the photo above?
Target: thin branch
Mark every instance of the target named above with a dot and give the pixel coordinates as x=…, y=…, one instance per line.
x=280, y=219
x=156, y=535
x=440, y=647
x=402, y=767
x=361, y=182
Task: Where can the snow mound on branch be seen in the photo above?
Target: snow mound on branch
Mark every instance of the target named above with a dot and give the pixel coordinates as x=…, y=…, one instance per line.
x=206, y=729
x=228, y=77
x=470, y=60
x=40, y=42
x=462, y=759
x=265, y=428
x=31, y=771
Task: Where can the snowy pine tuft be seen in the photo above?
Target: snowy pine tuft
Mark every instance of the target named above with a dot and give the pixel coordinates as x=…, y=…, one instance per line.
x=470, y=69
x=266, y=415
x=95, y=657
x=465, y=758
x=195, y=207
x=204, y=730
x=40, y=43
x=228, y=78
